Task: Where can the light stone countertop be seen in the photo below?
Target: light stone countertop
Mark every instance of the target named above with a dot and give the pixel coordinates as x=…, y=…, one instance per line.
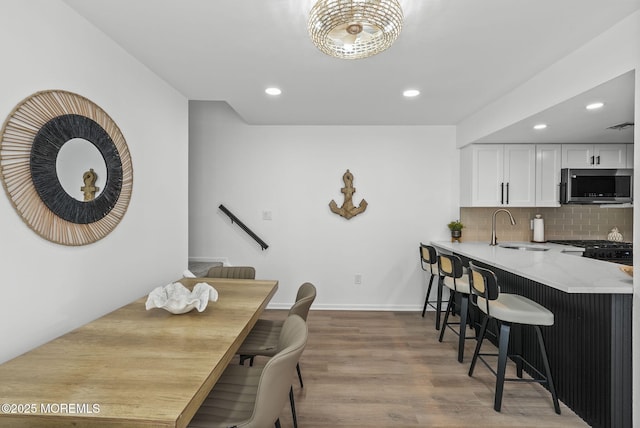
x=563, y=271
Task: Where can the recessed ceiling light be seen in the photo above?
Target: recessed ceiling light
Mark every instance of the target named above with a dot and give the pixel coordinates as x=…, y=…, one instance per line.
x=410, y=93
x=540, y=126
x=273, y=91
x=594, y=106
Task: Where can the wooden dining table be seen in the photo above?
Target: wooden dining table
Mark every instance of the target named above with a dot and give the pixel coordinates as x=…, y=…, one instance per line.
x=132, y=367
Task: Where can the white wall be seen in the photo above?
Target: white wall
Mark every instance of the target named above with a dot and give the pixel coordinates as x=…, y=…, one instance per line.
x=408, y=175
x=48, y=289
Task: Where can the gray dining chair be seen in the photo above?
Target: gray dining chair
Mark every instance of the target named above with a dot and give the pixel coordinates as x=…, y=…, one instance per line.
x=251, y=396
x=232, y=272
x=263, y=338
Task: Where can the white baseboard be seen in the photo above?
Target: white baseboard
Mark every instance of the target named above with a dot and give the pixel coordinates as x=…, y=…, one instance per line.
x=354, y=307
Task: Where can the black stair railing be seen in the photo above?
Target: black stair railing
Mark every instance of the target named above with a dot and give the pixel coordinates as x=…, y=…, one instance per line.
x=244, y=227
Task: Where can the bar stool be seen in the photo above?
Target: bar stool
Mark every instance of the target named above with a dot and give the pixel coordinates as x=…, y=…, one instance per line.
x=429, y=262
x=452, y=275
x=508, y=310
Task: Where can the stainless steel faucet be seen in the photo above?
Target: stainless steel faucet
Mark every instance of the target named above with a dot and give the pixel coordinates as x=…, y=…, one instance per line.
x=494, y=239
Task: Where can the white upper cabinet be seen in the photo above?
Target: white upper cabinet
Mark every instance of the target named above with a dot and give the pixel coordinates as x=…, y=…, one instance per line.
x=548, y=165
x=498, y=175
x=519, y=174
x=594, y=155
x=527, y=175
x=482, y=172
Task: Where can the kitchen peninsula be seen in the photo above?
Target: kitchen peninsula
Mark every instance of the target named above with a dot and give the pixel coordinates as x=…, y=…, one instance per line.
x=589, y=345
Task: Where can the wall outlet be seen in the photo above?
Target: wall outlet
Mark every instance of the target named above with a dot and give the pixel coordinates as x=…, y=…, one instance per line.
x=266, y=215
x=357, y=279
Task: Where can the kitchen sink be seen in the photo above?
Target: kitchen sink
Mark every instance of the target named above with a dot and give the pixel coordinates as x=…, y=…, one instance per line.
x=525, y=247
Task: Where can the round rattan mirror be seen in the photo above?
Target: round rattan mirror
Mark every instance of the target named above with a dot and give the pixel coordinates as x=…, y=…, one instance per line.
x=32, y=137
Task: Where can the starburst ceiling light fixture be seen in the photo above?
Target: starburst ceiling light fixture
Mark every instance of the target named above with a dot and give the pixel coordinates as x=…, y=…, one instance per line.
x=354, y=29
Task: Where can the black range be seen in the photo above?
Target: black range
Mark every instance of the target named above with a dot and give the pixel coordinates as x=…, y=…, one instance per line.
x=610, y=251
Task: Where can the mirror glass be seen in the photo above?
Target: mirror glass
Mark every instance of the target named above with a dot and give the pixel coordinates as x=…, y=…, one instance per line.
x=76, y=157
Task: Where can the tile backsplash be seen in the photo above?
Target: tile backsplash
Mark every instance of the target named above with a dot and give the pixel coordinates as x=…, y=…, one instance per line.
x=565, y=222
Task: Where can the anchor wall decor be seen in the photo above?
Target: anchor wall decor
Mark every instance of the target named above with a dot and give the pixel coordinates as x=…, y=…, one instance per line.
x=348, y=210
x=89, y=189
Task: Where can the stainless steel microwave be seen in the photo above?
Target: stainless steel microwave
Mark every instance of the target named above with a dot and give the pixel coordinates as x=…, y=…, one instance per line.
x=596, y=186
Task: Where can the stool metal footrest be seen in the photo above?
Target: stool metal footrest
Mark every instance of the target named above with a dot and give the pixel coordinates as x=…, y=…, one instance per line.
x=502, y=355
x=427, y=302
x=541, y=378
x=449, y=324
x=462, y=324
x=436, y=304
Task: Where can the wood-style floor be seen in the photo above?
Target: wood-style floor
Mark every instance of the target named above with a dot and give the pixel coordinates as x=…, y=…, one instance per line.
x=387, y=369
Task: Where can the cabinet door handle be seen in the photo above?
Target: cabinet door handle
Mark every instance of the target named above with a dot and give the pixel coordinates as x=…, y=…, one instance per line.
x=562, y=188
x=507, y=193
x=501, y=193
x=598, y=160
x=592, y=160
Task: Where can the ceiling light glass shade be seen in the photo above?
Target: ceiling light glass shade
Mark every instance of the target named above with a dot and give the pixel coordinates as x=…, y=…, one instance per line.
x=353, y=29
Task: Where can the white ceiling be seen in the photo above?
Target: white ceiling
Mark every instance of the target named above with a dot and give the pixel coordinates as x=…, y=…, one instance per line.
x=571, y=122
x=461, y=55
